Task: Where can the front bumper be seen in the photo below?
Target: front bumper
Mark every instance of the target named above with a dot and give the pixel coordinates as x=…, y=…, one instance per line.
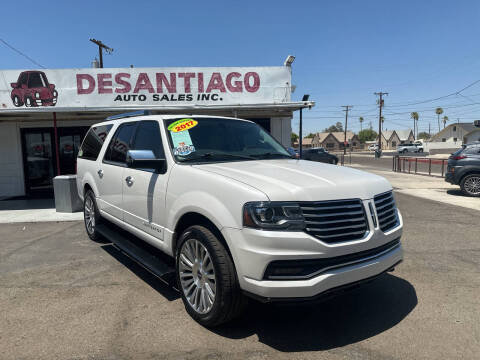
x=253, y=250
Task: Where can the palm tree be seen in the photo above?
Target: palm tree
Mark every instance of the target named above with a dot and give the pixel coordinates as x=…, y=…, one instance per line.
x=414, y=116
x=438, y=111
x=445, y=119
x=361, y=121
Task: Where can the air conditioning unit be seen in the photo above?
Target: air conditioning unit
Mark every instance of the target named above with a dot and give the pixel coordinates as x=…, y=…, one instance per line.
x=476, y=123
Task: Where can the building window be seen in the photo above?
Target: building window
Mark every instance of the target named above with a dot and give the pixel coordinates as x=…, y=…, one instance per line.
x=394, y=143
x=455, y=139
x=444, y=140
x=354, y=144
x=454, y=128
x=330, y=145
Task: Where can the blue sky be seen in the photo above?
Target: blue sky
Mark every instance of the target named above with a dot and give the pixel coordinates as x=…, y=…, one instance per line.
x=345, y=50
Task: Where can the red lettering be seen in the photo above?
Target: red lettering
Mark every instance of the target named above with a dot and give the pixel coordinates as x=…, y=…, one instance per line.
x=256, y=82
x=186, y=81
x=237, y=87
x=200, y=82
x=162, y=79
x=216, y=83
x=126, y=85
x=91, y=84
x=103, y=83
x=143, y=83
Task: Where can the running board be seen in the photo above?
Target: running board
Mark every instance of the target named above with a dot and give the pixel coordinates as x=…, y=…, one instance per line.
x=138, y=251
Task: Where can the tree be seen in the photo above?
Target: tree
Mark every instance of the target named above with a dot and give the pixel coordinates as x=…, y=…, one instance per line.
x=445, y=119
x=361, y=121
x=414, y=116
x=367, y=135
x=294, y=138
x=438, y=111
x=424, y=135
x=310, y=136
x=338, y=127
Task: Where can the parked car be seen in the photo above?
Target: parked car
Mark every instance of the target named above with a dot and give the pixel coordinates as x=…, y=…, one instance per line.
x=319, y=154
x=33, y=89
x=415, y=148
x=464, y=169
x=372, y=147
x=239, y=216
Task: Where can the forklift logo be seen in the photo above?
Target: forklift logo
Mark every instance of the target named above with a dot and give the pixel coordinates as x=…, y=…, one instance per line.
x=32, y=89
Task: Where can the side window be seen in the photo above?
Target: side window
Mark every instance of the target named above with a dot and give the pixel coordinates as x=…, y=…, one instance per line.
x=93, y=142
x=120, y=143
x=22, y=80
x=148, y=138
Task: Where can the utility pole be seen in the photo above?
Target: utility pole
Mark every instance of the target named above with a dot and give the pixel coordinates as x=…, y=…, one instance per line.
x=429, y=135
x=347, y=107
x=380, y=103
x=101, y=46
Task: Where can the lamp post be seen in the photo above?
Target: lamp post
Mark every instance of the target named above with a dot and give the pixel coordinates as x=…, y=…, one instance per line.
x=300, y=138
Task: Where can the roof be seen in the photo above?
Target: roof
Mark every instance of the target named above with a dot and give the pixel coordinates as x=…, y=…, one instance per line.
x=339, y=136
x=404, y=134
x=387, y=134
x=467, y=127
x=307, y=141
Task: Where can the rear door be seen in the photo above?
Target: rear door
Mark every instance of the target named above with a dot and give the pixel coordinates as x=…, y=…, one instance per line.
x=144, y=192
x=110, y=170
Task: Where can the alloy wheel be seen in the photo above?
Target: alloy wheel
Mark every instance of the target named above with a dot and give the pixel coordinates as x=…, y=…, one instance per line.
x=472, y=185
x=89, y=214
x=197, y=276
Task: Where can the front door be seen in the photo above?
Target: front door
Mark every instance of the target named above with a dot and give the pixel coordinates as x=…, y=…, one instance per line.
x=38, y=160
x=143, y=189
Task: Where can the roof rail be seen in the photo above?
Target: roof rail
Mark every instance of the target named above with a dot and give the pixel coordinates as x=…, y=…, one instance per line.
x=129, y=114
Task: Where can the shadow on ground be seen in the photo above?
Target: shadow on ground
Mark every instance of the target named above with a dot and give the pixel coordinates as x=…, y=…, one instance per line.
x=456, y=192
x=348, y=318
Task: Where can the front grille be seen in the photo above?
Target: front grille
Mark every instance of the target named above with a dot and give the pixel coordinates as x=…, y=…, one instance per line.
x=335, y=221
x=386, y=211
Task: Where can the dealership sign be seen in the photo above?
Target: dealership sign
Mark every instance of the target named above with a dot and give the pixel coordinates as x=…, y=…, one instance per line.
x=73, y=89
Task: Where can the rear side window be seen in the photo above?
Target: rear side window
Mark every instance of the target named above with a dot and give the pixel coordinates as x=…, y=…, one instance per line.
x=93, y=142
x=120, y=143
x=472, y=150
x=148, y=138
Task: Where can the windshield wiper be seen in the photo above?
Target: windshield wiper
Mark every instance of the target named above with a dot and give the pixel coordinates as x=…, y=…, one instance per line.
x=220, y=154
x=269, y=155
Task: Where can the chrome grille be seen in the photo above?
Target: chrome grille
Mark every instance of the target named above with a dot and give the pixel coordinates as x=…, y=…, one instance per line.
x=386, y=211
x=335, y=221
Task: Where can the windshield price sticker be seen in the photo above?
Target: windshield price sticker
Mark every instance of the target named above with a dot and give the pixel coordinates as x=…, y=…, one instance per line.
x=184, y=150
x=182, y=143
x=182, y=125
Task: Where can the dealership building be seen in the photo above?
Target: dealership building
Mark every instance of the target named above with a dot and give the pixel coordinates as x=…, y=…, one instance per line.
x=44, y=114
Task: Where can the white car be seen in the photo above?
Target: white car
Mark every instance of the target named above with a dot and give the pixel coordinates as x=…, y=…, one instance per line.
x=373, y=147
x=238, y=214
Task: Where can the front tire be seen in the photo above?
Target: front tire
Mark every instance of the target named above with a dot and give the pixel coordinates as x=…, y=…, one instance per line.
x=91, y=215
x=16, y=101
x=207, y=278
x=470, y=185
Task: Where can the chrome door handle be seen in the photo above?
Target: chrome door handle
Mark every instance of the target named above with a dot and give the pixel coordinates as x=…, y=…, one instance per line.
x=129, y=180
x=100, y=173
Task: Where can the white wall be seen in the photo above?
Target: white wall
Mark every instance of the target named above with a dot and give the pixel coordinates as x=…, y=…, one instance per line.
x=11, y=165
x=281, y=129
x=473, y=136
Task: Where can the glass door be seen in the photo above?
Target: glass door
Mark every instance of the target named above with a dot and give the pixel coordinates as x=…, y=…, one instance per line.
x=38, y=161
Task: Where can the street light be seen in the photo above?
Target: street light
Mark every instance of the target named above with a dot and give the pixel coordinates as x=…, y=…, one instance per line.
x=300, y=138
x=289, y=60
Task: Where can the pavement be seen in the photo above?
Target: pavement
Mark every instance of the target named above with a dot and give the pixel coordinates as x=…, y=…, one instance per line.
x=33, y=210
x=65, y=297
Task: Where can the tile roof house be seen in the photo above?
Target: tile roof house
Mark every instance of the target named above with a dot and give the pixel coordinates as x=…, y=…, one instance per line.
x=335, y=140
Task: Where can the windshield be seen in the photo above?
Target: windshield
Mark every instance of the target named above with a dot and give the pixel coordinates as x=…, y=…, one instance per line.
x=217, y=139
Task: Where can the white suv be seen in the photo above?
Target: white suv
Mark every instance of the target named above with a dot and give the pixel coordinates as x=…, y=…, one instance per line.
x=238, y=214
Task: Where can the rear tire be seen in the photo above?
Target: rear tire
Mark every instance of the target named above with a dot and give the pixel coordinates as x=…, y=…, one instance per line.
x=91, y=215
x=470, y=185
x=207, y=278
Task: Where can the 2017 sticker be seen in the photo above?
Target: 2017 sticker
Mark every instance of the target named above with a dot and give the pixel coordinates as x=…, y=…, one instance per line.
x=182, y=125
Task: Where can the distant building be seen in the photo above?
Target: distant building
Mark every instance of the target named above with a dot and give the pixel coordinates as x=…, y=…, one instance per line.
x=392, y=138
x=457, y=134
x=335, y=140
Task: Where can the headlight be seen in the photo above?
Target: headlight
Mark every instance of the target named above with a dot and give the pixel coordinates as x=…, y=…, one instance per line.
x=37, y=95
x=273, y=215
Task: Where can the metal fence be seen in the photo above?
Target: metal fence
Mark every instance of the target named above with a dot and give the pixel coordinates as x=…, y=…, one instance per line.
x=420, y=166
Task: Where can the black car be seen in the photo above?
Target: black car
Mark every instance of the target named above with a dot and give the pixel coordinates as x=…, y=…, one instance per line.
x=464, y=169
x=319, y=154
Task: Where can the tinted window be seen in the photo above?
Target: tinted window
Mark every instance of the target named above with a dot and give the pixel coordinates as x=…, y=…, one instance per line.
x=148, y=138
x=117, y=150
x=472, y=150
x=36, y=80
x=92, y=144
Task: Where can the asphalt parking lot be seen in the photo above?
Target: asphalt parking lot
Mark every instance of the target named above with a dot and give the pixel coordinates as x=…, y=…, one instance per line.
x=64, y=296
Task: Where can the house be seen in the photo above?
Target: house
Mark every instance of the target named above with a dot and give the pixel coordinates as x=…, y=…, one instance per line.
x=472, y=136
x=405, y=136
x=456, y=134
x=306, y=143
x=392, y=138
x=335, y=140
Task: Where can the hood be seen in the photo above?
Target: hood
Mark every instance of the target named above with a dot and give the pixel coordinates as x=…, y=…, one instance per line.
x=301, y=180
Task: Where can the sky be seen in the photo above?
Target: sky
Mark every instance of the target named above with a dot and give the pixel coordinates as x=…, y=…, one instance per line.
x=345, y=50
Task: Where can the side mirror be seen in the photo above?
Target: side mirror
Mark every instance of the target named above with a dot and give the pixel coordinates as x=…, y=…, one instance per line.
x=145, y=159
x=13, y=85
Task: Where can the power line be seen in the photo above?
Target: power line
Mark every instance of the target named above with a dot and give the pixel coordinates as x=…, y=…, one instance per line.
x=21, y=53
